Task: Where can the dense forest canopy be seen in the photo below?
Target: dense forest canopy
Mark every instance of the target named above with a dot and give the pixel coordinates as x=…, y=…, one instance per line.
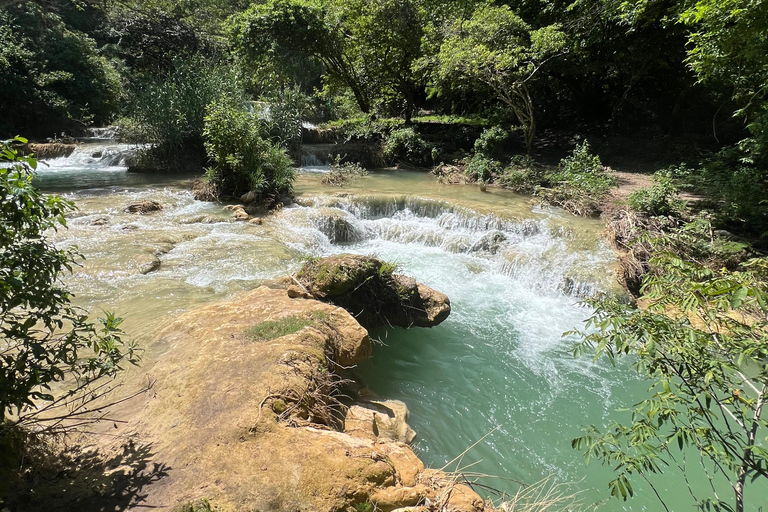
x=659, y=67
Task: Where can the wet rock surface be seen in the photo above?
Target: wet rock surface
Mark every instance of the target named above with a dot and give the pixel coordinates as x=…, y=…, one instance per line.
x=143, y=207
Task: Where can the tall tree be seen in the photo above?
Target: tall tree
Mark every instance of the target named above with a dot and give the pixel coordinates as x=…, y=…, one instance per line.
x=497, y=49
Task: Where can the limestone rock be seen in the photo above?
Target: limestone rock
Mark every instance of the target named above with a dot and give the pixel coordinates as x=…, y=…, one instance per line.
x=256, y=220
x=143, y=207
x=390, y=499
x=380, y=419
x=249, y=197
x=369, y=290
x=463, y=499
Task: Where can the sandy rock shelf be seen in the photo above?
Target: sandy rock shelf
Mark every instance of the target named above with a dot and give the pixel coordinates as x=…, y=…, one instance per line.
x=244, y=415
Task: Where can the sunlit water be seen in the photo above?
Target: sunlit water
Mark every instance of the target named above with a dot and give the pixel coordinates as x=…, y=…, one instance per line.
x=515, y=274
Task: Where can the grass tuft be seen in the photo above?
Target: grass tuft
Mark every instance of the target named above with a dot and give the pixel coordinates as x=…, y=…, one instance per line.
x=272, y=329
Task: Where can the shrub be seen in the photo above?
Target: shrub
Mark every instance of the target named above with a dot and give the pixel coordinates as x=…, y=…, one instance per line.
x=45, y=338
x=583, y=172
x=242, y=160
x=287, y=110
x=342, y=173
x=407, y=145
x=490, y=141
x=482, y=168
x=522, y=175
x=661, y=199
x=169, y=111
x=707, y=365
x=738, y=187
x=579, y=183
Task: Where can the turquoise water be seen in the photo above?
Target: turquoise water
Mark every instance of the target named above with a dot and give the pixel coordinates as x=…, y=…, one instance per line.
x=515, y=274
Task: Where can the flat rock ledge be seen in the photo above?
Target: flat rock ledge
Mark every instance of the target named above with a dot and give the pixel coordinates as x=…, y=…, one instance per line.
x=371, y=291
x=245, y=414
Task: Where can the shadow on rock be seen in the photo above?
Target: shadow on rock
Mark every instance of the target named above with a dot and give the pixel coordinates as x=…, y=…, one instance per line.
x=54, y=478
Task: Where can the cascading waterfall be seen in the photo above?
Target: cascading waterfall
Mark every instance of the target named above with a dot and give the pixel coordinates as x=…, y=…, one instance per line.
x=530, y=250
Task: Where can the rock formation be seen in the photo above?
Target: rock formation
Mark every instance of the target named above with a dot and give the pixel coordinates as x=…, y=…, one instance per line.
x=370, y=290
x=246, y=412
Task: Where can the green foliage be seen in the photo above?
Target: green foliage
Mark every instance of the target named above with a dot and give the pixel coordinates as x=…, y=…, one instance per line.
x=698, y=242
x=342, y=173
x=272, y=329
x=286, y=112
x=702, y=343
x=728, y=48
x=736, y=185
x=497, y=50
x=579, y=183
x=583, y=173
x=365, y=48
x=661, y=199
x=491, y=141
x=522, y=174
x=169, y=111
x=52, y=77
x=407, y=145
x=243, y=161
x=482, y=168
x=46, y=339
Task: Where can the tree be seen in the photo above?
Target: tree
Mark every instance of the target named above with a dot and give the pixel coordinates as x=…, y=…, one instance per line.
x=52, y=76
x=365, y=46
x=497, y=49
x=702, y=341
x=44, y=339
x=728, y=47
x=282, y=36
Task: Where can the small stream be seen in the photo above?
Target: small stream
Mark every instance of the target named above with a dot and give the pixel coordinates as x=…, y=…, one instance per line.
x=515, y=274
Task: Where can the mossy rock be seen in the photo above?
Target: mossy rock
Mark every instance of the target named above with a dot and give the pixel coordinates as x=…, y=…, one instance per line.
x=371, y=291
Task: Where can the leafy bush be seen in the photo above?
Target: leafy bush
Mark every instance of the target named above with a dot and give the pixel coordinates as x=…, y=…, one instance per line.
x=582, y=172
x=405, y=144
x=579, y=183
x=170, y=111
x=522, y=175
x=286, y=112
x=45, y=338
x=243, y=161
x=342, y=173
x=490, y=141
x=661, y=199
x=482, y=168
x=737, y=185
x=707, y=363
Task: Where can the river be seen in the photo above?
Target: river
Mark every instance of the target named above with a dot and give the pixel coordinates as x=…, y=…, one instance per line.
x=515, y=273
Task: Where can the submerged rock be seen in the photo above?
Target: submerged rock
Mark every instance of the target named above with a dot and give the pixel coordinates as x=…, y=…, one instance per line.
x=143, y=207
x=370, y=290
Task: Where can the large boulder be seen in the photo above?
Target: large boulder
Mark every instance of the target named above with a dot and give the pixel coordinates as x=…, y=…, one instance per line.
x=370, y=290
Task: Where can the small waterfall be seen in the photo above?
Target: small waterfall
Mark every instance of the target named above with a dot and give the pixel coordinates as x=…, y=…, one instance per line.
x=92, y=164
x=315, y=157
x=104, y=133
x=531, y=251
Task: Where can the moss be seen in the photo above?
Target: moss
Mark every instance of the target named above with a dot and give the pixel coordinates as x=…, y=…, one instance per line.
x=196, y=505
x=364, y=507
x=272, y=329
x=278, y=406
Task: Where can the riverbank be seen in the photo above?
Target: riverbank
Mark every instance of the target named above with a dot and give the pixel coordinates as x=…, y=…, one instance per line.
x=245, y=411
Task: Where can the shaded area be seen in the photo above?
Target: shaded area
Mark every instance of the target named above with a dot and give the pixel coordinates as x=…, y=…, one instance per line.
x=53, y=478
